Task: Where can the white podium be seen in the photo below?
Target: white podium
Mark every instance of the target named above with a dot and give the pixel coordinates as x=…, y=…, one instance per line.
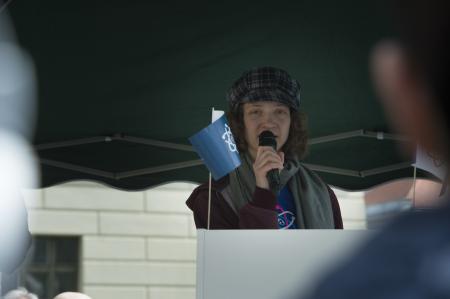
x=268, y=264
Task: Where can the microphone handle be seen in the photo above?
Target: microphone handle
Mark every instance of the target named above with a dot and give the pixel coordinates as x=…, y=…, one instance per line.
x=273, y=176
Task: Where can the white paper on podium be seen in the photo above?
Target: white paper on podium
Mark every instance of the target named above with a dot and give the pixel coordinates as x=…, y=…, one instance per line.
x=268, y=264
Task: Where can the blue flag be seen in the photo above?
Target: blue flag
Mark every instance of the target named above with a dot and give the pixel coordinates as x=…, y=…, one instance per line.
x=215, y=145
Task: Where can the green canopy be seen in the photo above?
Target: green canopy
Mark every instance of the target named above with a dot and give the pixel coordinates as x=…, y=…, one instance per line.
x=123, y=84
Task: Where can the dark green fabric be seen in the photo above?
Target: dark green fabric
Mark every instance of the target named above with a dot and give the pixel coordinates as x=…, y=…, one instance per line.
x=154, y=69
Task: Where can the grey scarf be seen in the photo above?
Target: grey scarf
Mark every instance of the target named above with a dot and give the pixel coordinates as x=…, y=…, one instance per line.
x=310, y=193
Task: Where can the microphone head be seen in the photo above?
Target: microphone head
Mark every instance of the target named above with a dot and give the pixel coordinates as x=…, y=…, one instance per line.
x=266, y=138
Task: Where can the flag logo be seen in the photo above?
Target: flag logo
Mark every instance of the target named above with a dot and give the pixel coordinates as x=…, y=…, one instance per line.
x=228, y=137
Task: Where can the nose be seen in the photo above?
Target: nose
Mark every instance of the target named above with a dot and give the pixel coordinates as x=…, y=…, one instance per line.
x=269, y=119
x=268, y=122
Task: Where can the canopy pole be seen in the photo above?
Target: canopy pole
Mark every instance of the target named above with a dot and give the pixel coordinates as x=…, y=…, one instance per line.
x=355, y=173
x=357, y=133
x=158, y=169
x=384, y=169
x=114, y=137
x=78, y=168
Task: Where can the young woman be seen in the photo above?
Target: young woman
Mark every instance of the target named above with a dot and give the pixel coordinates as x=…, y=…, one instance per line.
x=267, y=99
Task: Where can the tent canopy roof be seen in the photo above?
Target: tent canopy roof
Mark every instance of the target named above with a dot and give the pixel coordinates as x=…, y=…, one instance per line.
x=126, y=83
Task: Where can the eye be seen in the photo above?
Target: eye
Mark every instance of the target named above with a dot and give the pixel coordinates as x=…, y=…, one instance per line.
x=282, y=112
x=254, y=112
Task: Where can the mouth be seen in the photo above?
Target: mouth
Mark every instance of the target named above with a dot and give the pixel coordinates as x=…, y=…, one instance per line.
x=275, y=135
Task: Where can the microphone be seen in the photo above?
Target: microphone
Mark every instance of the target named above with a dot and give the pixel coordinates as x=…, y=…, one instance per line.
x=267, y=138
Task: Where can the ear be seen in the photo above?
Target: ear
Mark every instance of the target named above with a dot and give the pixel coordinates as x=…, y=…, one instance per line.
x=404, y=95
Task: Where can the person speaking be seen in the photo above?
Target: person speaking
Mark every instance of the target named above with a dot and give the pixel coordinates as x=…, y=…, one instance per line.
x=271, y=189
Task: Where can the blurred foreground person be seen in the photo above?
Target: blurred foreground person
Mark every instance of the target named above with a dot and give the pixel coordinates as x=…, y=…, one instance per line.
x=17, y=163
x=72, y=295
x=20, y=293
x=410, y=258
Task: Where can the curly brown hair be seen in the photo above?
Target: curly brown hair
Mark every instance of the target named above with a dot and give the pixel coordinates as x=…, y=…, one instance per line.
x=296, y=144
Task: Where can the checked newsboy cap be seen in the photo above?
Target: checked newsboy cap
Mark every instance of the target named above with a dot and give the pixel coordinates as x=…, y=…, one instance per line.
x=264, y=84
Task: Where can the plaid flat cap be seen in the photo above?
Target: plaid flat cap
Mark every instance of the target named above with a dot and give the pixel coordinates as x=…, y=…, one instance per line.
x=265, y=84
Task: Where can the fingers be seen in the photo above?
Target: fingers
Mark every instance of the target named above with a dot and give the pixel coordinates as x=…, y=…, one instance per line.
x=269, y=163
x=281, y=156
x=267, y=159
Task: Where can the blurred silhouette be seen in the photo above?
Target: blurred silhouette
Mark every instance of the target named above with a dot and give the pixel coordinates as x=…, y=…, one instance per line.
x=410, y=258
x=20, y=293
x=17, y=163
x=72, y=295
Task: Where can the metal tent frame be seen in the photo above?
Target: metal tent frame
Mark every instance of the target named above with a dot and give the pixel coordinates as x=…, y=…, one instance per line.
x=190, y=163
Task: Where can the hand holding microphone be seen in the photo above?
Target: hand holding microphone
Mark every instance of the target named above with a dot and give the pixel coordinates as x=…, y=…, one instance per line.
x=268, y=163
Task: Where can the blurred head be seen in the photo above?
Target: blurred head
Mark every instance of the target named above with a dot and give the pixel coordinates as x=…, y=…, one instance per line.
x=72, y=295
x=411, y=73
x=20, y=293
x=267, y=98
x=18, y=166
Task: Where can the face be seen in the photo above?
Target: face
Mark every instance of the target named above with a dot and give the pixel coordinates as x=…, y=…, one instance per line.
x=262, y=116
x=405, y=98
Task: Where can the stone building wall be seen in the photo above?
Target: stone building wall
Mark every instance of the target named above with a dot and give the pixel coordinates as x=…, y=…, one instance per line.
x=139, y=245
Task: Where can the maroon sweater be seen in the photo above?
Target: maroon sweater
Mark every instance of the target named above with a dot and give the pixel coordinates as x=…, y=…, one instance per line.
x=258, y=214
